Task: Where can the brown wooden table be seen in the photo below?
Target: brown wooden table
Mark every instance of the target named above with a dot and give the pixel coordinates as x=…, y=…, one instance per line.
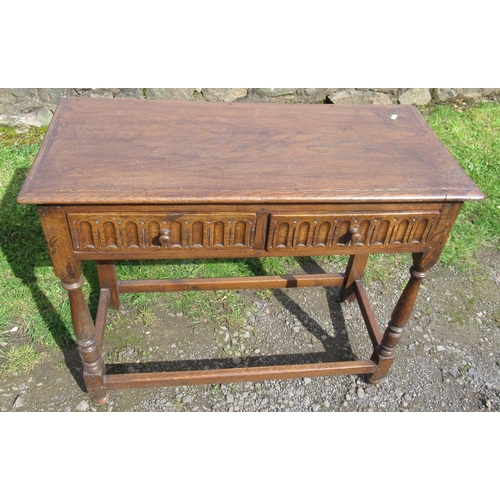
x=136, y=179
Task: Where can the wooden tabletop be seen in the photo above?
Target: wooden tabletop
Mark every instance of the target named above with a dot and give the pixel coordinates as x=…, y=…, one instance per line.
x=113, y=151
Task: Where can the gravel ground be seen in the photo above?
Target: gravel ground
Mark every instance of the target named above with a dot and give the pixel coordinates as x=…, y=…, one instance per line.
x=447, y=361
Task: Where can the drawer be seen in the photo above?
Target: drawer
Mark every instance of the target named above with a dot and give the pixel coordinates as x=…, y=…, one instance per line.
x=329, y=230
x=115, y=232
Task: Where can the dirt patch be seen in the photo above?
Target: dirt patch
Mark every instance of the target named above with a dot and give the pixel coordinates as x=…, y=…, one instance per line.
x=448, y=359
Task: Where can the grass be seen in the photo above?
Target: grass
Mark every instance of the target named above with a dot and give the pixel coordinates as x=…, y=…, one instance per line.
x=33, y=300
x=31, y=297
x=3, y=341
x=472, y=135
x=20, y=360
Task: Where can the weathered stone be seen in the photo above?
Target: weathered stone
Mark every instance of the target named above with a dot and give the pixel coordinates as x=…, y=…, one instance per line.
x=171, y=94
x=12, y=95
x=473, y=93
x=393, y=92
x=274, y=95
x=316, y=91
x=82, y=406
x=275, y=92
x=39, y=118
x=18, y=102
x=312, y=96
x=18, y=402
x=224, y=95
x=486, y=92
x=415, y=96
x=7, y=120
x=451, y=94
x=352, y=96
x=130, y=94
x=10, y=99
x=445, y=94
x=96, y=92
x=34, y=106
x=51, y=97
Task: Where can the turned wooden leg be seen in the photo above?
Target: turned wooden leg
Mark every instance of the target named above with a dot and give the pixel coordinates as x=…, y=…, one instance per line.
x=107, y=279
x=355, y=270
x=88, y=343
x=68, y=269
x=383, y=354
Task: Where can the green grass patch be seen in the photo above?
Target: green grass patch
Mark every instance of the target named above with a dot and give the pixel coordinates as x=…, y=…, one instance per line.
x=12, y=136
x=4, y=341
x=472, y=135
x=31, y=296
x=225, y=307
x=20, y=359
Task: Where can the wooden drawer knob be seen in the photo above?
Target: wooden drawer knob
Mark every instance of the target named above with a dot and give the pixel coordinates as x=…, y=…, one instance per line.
x=164, y=237
x=356, y=236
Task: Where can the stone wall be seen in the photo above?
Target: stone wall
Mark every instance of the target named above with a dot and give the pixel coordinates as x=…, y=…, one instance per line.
x=36, y=106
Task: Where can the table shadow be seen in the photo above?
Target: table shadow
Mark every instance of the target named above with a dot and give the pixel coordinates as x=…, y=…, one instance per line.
x=21, y=223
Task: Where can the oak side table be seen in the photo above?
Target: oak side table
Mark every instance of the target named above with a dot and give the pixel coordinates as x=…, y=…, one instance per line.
x=136, y=179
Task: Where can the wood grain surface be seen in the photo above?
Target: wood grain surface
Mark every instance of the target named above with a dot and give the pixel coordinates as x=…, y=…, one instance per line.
x=109, y=151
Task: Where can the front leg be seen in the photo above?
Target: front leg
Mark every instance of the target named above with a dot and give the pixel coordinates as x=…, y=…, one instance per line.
x=383, y=354
x=68, y=269
x=88, y=342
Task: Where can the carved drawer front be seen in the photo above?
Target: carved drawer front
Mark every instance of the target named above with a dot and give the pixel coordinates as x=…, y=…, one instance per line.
x=301, y=231
x=102, y=232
